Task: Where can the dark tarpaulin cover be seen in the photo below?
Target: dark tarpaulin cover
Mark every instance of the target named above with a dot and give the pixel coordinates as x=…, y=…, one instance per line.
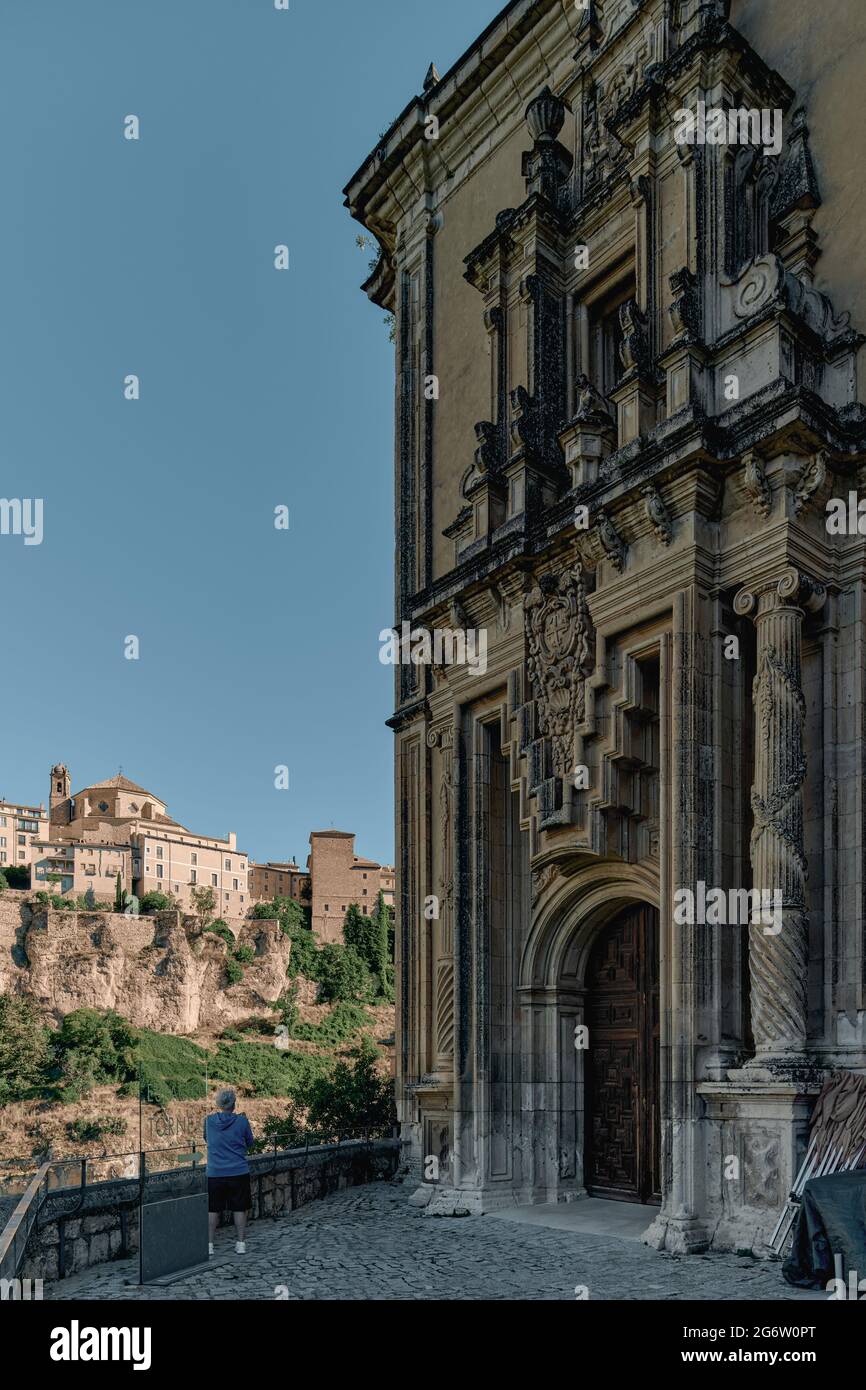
x=831, y=1221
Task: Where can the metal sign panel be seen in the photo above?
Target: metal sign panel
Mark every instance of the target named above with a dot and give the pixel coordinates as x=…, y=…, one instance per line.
x=174, y=1234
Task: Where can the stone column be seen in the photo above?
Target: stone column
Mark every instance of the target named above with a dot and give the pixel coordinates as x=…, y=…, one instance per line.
x=778, y=959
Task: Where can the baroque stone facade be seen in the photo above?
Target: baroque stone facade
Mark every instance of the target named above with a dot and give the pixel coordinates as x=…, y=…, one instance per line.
x=624, y=399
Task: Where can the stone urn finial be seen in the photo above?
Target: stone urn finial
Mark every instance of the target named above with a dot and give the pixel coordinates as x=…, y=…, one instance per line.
x=545, y=116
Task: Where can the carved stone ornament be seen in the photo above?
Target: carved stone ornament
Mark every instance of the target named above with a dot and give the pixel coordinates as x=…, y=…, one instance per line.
x=634, y=348
x=560, y=642
x=592, y=408
x=684, y=310
x=755, y=484
x=811, y=480
x=658, y=514
x=765, y=281
x=612, y=543
x=542, y=879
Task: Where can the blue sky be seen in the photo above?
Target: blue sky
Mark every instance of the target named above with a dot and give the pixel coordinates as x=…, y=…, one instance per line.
x=258, y=389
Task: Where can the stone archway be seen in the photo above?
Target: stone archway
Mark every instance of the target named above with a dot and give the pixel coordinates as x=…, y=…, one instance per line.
x=574, y=916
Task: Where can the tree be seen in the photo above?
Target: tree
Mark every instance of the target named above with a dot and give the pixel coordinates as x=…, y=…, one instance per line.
x=94, y=1046
x=154, y=902
x=369, y=936
x=343, y=974
x=204, y=902
x=353, y=1098
x=25, y=1052
x=4, y=882
x=119, y=895
x=262, y=911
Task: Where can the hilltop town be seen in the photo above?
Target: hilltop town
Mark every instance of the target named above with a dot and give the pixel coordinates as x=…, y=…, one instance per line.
x=114, y=837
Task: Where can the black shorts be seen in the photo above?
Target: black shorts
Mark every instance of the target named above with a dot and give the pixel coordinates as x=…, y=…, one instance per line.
x=229, y=1194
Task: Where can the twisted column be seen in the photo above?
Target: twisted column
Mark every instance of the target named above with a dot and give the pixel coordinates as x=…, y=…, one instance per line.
x=443, y=935
x=778, y=958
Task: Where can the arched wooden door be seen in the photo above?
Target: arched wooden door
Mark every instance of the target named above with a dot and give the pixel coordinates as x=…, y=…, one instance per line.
x=622, y=1157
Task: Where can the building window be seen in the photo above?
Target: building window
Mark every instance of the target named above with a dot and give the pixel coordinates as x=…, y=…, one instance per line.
x=90, y=869
x=159, y=871
x=327, y=909
x=2, y=820
x=228, y=863
x=227, y=897
x=103, y=806
x=235, y=884
x=3, y=841
x=31, y=825
x=159, y=851
x=213, y=879
x=193, y=858
x=193, y=878
x=22, y=839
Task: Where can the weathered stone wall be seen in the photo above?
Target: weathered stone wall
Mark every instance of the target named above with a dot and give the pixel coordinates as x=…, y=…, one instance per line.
x=159, y=972
x=106, y=1227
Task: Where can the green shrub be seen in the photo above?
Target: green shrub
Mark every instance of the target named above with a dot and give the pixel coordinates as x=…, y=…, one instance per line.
x=343, y=1022
x=355, y=1096
x=92, y=1047
x=245, y=955
x=287, y=1007
x=86, y=1130
x=16, y=875
x=25, y=1049
x=4, y=882
x=304, y=959
x=265, y=910
x=219, y=928
x=267, y=1070
x=258, y=1024
x=171, y=1068
x=234, y=971
x=343, y=974
x=230, y=1035
x=288, y=1131
x=154, y=902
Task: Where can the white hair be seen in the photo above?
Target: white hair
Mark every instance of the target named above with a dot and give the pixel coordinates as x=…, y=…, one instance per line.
x=226, y=1099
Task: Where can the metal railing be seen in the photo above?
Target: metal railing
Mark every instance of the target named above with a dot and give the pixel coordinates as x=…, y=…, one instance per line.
x=57, y=1189
x=17, y=1231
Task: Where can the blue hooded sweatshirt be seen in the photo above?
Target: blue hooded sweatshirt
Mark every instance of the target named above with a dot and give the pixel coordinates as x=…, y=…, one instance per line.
x=228, y=1138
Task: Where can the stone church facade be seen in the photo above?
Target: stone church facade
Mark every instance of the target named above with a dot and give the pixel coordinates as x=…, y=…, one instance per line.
x=627, y=390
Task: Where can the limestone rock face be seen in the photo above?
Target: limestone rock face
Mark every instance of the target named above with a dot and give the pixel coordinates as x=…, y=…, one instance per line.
x=158, y=972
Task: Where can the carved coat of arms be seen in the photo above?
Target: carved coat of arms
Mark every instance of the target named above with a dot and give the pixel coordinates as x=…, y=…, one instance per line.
x=559, y=637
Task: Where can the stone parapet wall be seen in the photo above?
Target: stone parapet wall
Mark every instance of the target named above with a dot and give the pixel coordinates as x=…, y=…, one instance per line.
x=106, y=1225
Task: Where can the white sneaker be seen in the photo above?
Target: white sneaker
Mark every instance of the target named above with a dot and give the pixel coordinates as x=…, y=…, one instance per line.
x=240, y=1247
x=210, y=1248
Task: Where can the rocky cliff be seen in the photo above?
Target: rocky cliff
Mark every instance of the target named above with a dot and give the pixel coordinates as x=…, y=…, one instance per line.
x=158, y=972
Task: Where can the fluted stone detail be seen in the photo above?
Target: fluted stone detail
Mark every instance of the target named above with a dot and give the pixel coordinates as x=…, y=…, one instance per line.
x=778, y=959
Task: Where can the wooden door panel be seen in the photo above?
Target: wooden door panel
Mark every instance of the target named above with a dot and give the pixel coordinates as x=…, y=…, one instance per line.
x=622, y=1127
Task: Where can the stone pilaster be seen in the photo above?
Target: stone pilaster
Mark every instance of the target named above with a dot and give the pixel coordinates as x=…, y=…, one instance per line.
x=778, y=950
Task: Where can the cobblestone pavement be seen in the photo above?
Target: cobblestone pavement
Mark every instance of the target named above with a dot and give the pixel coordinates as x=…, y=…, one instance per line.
x=365, y=1243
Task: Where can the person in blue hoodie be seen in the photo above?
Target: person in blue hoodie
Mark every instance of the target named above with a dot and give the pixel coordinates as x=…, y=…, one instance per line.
x=228, y=1138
